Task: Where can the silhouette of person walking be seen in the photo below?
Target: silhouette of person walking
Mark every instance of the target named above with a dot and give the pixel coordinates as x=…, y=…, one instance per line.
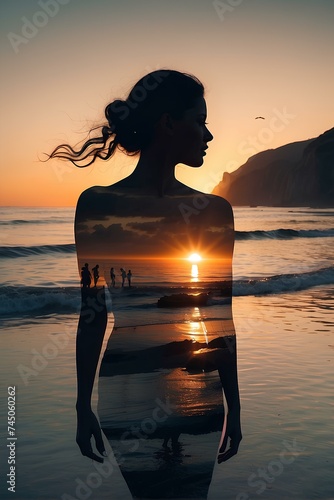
x=113, y=277
x=96, y=274
x=129, y=276
x=123, y=275
x=86, y=277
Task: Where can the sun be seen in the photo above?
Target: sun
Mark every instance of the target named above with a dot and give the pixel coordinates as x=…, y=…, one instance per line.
x=194, y=258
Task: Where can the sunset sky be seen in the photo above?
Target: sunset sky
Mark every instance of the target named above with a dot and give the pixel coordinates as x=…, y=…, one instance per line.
x=64, y=60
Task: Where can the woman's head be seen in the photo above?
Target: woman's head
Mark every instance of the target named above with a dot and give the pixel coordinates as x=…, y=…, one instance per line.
x=163, y=91
x=131, y=123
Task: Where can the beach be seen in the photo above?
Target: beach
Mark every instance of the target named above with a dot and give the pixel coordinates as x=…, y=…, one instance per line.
x=283, y=315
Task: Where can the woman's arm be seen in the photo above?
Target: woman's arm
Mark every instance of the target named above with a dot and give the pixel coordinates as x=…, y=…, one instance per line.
x=229, y=379
x=227, y=366
x=91, y=329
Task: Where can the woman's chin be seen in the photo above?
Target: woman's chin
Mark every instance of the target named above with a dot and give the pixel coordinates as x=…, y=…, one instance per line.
x=195, y=163
x=199, y=163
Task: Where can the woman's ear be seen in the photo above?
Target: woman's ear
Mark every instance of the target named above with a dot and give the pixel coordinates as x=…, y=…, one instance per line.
x=166, y=124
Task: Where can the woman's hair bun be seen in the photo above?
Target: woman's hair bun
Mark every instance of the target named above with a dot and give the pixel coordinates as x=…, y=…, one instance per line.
x=112, y=111
x=122, y=121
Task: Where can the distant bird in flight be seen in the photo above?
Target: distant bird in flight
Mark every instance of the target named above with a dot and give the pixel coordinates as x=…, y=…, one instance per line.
x=259, y=118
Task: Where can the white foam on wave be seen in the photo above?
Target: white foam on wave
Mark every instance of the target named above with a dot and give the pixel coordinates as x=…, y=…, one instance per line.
x=24, y=300
x=21, y=300
x=284, y=283
x=284, y=234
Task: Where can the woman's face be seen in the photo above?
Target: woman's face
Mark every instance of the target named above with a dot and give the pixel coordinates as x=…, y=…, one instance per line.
x=191, y=135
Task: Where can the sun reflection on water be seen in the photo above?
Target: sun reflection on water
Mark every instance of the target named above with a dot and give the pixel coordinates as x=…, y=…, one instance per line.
x=194, y=273
x=197, y=327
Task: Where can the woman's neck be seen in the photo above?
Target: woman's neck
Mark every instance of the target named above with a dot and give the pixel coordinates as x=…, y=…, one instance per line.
x=155, y=171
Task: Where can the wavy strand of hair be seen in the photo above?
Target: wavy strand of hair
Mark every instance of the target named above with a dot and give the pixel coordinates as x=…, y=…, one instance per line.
x=67, y=152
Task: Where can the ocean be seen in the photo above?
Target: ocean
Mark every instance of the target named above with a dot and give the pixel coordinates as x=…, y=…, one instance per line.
x=283, y=284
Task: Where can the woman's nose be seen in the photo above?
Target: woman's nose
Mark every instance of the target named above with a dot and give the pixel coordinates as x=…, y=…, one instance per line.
x=208, y=135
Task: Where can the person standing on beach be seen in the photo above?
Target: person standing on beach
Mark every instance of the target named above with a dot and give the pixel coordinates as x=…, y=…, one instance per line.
x=123, y=275
x=86, y=277
x=150, y=394
x=96, y=274
x=129, y=276
x=112, y=277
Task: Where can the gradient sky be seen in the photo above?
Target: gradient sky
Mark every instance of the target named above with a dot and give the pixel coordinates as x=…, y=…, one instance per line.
x=255, y=57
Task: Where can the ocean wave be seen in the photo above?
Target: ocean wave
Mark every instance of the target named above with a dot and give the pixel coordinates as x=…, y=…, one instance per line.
x=284, y=234
x=21, y=222
x=284, y=282
x=21, y=251
x=22, y=300
x=38, y=300
x=12, y=252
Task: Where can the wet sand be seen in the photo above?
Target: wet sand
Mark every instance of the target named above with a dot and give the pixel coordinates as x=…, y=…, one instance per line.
x=285, y=364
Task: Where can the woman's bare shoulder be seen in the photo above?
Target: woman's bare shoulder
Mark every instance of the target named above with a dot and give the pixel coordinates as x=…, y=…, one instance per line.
x=220, y=202
x=97, y=193
x=96, y=200
x=211, y=201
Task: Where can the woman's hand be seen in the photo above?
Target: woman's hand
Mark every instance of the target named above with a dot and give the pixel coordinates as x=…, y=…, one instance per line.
x=232, y=431
x=87, y=427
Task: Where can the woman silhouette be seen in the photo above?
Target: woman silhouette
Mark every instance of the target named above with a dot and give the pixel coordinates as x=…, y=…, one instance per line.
x=160, y=395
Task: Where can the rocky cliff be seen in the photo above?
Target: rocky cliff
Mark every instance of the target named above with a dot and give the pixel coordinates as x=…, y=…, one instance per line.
x=297, y=174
